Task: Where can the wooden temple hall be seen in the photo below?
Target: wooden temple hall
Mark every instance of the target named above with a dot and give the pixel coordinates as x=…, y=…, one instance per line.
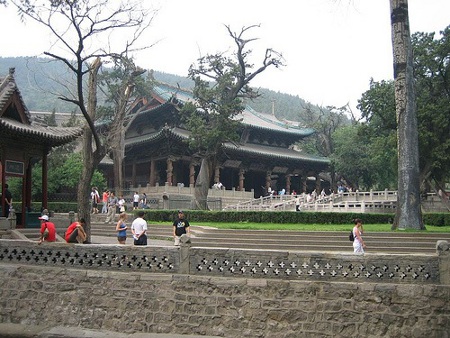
x=23, y=143
x=157, y=154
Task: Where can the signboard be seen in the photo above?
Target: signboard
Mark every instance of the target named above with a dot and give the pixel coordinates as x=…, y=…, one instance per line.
x=14, y=167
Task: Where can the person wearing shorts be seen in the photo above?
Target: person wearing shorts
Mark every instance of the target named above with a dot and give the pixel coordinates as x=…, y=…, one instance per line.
x=75, y=232
x=48, y=230
x=121, y=228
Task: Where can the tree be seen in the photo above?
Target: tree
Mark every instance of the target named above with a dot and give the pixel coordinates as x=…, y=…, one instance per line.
x=78, y=27
x=325, y=121
x=432, y=87
x=64, y=173
x=221, y=85
x=121, y=82
x=378, y=134
x=408, y=214
x=432, y=75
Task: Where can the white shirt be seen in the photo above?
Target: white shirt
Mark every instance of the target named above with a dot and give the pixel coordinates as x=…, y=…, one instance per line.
x=139, y=226
x=136, y=198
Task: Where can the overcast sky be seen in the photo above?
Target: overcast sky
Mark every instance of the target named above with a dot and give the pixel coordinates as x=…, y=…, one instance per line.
x=331, y=48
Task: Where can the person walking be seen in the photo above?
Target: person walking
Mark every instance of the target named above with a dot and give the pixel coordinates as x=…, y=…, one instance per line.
x=95, y=198
x=48, y=230
x=112, y=205
x=135, y=200
x=121, y=204
x=358, y=242
x=139, y=229
x=105, y=197
x=121, y=228
x=180, y=227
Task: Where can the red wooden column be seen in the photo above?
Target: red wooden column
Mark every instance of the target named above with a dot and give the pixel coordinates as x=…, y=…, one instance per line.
x=217, y=175
x=133, y=173
x=305, y=185
x=268, y=180
x=241, y=179
x=318, y=185
x=169, y=171
x=191, y=174
x=288, y=184
x=152, y=178
x=44, y=181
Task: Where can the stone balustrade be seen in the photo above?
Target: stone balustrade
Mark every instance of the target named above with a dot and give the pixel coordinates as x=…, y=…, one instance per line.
x=225, y=293
x=225, y=262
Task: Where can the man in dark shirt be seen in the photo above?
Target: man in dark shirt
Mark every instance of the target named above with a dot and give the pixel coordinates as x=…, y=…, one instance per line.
x=180, y=227
x=8, y=201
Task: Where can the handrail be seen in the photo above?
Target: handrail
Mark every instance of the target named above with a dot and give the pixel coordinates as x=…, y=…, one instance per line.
x=327, y=202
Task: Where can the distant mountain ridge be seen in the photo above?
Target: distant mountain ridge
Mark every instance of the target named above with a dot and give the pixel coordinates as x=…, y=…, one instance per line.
x=39, y=79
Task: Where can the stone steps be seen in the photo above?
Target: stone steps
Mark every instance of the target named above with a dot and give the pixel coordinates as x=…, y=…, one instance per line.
x=383, y=242
x=388, y=242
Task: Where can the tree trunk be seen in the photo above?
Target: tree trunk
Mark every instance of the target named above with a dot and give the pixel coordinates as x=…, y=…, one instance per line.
x=90, y=157
x=117, y=155
x=408, y=214
x=202, y=184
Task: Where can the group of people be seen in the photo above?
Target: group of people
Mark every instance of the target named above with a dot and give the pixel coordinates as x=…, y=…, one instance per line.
x=76, y=232
x=139, y=228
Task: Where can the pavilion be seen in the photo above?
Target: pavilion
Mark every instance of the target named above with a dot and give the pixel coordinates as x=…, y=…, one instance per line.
x=156, y=151
x=23, y=143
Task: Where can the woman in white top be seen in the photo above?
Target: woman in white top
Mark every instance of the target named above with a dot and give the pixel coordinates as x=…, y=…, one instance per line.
x=358, y=243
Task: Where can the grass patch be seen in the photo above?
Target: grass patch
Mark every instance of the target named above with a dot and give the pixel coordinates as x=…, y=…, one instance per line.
x=307, y=227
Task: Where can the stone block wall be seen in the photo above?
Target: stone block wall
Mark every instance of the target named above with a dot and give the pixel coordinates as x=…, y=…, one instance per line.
x=130, y=302
x=161, y=290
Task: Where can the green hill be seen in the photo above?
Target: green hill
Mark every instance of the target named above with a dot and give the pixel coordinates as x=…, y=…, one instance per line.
x=41, y=79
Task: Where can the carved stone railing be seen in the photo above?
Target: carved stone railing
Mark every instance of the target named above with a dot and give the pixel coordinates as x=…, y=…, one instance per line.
x=224, y=262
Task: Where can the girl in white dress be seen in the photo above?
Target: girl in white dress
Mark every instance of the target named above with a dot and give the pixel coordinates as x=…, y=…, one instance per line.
x=358, y=243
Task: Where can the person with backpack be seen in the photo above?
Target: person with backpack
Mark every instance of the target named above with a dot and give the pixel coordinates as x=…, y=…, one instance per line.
x=358, y=242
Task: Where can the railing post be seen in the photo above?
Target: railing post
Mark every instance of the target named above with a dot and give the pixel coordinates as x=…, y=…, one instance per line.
x=363, y=206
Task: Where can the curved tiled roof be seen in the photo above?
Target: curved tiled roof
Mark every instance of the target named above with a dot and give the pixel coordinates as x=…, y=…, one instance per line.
x=8, y=88
x=14, y=129
x=255, y=149
x=249, y=116
x=275, y=152
x=53, y=136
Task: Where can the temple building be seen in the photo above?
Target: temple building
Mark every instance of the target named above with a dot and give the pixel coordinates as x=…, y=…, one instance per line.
x=22, y=144
x=156, y=152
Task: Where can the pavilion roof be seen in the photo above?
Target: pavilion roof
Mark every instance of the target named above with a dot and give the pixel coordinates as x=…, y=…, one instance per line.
x=249, y=116
x=258, y=150
x=16, y=122
x=51, y=136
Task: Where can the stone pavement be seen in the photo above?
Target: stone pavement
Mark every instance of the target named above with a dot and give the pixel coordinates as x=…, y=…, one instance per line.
x=8, y=330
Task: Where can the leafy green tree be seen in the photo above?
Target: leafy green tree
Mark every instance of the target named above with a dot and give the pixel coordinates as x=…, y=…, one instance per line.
x=221, y=85
x=64, y=173
x=433, y=109
x=325, y=121
x=122, y=84
x=432, y=74
x=363, y=160
x=350, y=157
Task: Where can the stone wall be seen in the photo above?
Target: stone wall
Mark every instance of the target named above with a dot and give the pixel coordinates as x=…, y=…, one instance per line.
x=129, y=289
